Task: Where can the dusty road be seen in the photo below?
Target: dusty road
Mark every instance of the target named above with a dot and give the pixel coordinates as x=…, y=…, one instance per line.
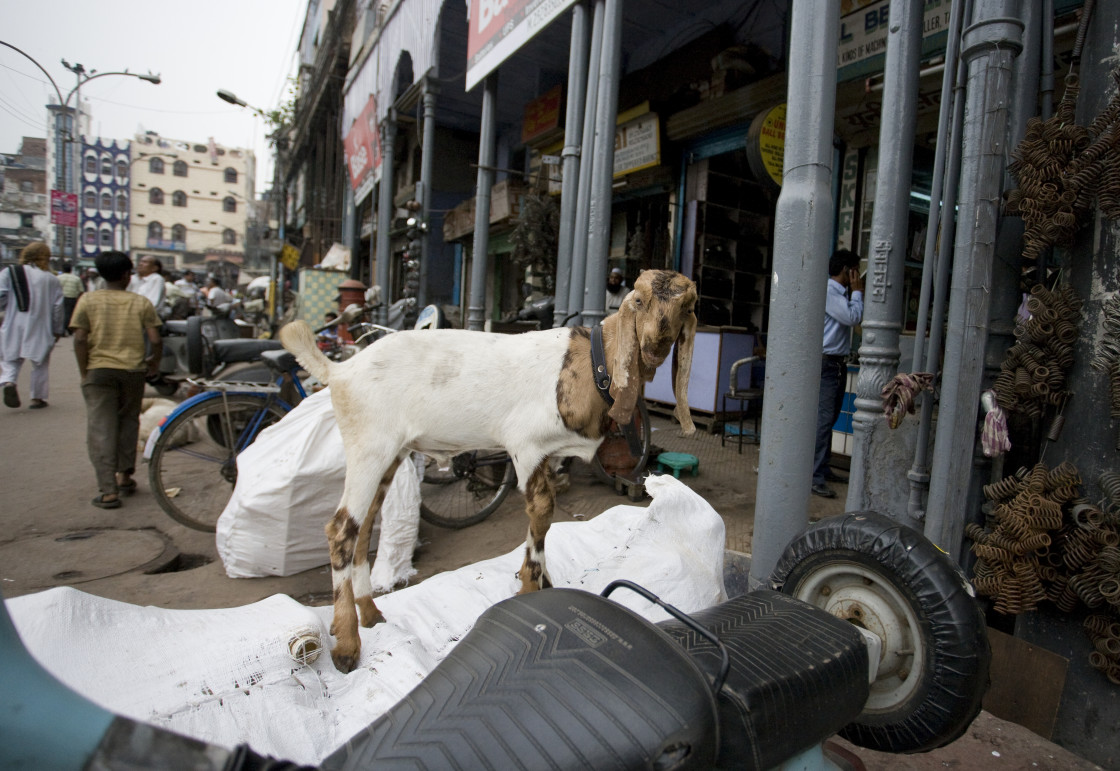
x=50, y=535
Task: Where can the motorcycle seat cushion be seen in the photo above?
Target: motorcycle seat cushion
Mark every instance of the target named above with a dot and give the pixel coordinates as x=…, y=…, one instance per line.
x=558, y=678
x=236, y=350
x=798, y=675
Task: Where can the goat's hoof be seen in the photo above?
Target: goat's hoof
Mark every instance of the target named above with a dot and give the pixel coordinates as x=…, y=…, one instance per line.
x=368, y=613
x=344, y=662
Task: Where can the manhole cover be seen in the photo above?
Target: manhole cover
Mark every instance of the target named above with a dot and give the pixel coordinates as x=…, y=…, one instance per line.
x=76, y=557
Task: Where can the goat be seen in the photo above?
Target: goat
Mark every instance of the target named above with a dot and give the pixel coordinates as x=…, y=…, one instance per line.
x=442, y=392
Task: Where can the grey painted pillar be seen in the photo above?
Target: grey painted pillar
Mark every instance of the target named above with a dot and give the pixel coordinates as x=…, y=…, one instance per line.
x=573, y=140
x=602, y=174
x=586, y=165
x=424, y=187
x=802, y=238
x=385, y=212
x=988, y=49
x=883, y=297
x=480, y=254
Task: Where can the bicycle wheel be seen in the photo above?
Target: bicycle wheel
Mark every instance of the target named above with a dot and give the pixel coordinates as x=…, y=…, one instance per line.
x=614, y=456
x=466, y=492
x=194, y=462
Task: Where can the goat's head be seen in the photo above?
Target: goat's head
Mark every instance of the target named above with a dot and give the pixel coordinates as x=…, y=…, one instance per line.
x=659, y=312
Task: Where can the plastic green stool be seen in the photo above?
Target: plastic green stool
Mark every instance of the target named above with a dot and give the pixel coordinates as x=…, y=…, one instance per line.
x=677, y=461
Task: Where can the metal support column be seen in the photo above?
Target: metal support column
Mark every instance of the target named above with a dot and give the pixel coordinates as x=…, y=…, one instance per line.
x=879, y=351
x=480, y=254
x=988, y=48
x=385, y=213
x=802, y=236
x=586, y=165
x=602, y=174
x=424, y=187
x=573, y=140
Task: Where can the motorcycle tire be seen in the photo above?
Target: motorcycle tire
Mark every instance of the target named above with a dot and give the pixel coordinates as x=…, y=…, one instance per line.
x=887, y=578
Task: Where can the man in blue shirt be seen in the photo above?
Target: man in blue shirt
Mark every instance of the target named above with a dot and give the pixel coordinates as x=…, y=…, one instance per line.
x=840, y=315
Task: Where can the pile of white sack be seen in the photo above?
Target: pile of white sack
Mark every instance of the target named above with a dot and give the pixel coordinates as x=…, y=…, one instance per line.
x=235, y=676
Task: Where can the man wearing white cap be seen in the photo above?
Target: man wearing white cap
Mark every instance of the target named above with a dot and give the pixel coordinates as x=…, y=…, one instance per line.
x=616, y=290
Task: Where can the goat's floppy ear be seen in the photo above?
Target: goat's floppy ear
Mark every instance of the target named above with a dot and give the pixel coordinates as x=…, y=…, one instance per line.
x=626, y=381
x=682, y=369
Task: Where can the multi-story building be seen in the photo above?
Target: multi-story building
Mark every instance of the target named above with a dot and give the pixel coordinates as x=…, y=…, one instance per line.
x=23, y=201
x=103, y=196
x=190, y=203
x=62, y=161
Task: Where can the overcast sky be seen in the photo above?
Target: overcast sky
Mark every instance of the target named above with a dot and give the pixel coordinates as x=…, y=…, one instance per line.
x=244, y=46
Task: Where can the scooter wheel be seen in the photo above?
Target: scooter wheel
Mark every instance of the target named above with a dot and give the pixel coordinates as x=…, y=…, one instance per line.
x=890, y=580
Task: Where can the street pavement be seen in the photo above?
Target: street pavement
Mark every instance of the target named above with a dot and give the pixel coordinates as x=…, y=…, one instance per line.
x=51, y=535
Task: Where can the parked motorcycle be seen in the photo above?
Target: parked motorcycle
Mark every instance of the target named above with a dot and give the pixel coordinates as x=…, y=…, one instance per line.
x=866, y=629
x=191, y=349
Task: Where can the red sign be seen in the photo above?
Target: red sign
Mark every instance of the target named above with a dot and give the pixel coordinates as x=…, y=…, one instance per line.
x=541, y=115
x=497, y=28
x=362, y=147
x=64, y=209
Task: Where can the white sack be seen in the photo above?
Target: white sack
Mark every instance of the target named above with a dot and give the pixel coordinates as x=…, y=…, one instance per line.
x=225, y=676
x=289, y=483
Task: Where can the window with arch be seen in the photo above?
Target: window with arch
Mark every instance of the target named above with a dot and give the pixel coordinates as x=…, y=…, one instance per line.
x=178, y=233
x=91, y=164
x=229, y=236
x=155, y=231
x=122, y=168
x=178, y=198
x=91, y=237
x=106, y=201
x=155, y=165
x=231, y=175
x=155, y=196
x=106, y=238
x=107, y=166
x=180, y=169
x=229, y=204
x=122, y=203
x=90, y=200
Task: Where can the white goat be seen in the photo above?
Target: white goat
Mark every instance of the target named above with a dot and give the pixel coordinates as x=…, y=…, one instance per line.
x=442, y=392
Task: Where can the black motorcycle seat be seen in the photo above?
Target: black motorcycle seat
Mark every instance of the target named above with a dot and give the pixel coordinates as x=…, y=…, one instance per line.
x=798, y=675
x=279, y=361
x=175, y=327
x=559, y=678
x=235, y=350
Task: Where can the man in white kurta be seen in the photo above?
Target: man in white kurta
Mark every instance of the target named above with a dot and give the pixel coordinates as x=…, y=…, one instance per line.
x=29, y=334
x=148, y=280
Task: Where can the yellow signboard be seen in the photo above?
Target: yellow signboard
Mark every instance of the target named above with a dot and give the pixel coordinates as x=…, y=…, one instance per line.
x=766, y=144
x=289, y=257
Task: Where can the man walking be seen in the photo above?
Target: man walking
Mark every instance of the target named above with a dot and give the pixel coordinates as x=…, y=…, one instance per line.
x=841, y=313
x=31, y=298
x=110, y=326
x=148, y=280
x=72, y=289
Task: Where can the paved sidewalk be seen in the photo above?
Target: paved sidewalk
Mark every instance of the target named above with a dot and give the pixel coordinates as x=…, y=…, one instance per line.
x=50, y=535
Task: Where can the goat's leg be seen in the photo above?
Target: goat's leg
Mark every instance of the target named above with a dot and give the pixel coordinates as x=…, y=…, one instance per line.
x=363, y=589
x=540, y=497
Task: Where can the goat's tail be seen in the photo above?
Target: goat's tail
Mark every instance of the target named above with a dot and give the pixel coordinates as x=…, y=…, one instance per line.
x=298, y=338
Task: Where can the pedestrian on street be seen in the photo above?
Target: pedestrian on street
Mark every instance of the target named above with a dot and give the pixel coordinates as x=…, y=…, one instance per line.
x=215, y=295
x=189, y=289
x=72, y=289
x=31, y=297
x=110, y=327
x=148, y=280
x=616, y=291
x=841, y=314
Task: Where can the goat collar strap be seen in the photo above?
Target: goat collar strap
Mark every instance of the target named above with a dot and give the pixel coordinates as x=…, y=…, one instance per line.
x=599, y=365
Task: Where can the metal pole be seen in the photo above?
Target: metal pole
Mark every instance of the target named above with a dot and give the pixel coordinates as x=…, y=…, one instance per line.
x=599, y=209
x=385, y=212
x=949, y=135
x=879, y=351
x=427, y=157
x=586, y=166
x=802, y=235
x=573, y=139
x=480, y=255
x=988, y=47
x=1046, y=75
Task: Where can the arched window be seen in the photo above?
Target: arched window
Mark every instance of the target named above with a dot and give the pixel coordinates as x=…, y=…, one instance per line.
x=178, y=198
x=106, y=239
x=180, y=169
x=229, y=204
x=91, y=164
x=90, y=200
x=155, y=231
x=155, y=196
x=229, y=236
x=178, y=233
x=91, y=237
x=122, y=203
x=231, y=176
x=155, y=165
x=107, y=166
x=122, y=169
x=106, y=201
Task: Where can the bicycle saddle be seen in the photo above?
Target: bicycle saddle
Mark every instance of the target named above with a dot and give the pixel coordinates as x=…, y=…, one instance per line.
x=798, y=675
x=559, y=678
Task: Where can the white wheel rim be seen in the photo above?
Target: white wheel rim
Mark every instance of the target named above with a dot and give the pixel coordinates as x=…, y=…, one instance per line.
x=854, y=593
